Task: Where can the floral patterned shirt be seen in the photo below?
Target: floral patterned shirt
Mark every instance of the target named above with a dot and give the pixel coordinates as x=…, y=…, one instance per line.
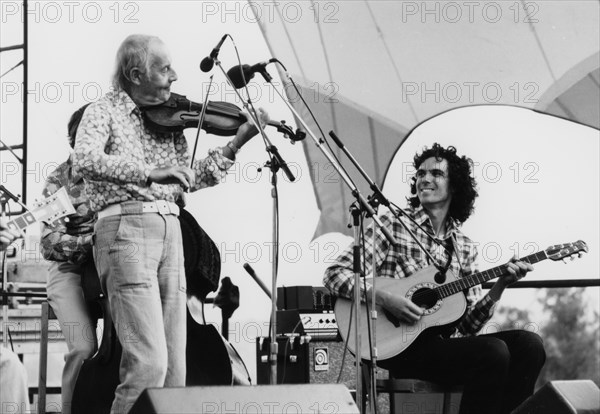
x=115, y=153
x=69, y=241
x=407, y=258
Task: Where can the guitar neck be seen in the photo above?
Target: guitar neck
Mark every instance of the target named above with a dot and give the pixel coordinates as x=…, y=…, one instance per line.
x=21, y=222
x=478, y=278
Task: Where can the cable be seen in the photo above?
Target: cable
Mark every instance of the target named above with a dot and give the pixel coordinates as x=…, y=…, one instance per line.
x=285, y=350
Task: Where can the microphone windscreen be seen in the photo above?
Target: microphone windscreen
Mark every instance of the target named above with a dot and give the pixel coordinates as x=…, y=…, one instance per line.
x=235, y=74
x=207, y=64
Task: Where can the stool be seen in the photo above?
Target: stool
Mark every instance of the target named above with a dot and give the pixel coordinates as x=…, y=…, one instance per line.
x=415, y=386
x=411, y=386
x=47, y=314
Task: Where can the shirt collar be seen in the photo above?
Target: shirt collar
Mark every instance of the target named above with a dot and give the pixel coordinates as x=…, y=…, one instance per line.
x=123, y=97
x=423, y=219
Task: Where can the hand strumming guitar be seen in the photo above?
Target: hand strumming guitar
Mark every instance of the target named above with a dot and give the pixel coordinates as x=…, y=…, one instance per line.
x=400, y=307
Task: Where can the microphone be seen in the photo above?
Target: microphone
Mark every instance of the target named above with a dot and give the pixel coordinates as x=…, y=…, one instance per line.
x=4, y=190
x=260, y=283
x=237, y=79
x=208, y=62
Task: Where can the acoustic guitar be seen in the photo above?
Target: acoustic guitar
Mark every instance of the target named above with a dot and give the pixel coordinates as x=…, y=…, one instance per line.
x=443, y=304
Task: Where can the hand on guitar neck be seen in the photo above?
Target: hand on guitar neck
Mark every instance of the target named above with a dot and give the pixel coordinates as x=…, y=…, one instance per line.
x=7, y=235
x=516, y=270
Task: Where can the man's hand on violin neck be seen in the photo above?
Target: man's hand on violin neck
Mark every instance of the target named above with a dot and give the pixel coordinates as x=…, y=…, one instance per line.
x=248, y=130
x=173, y=175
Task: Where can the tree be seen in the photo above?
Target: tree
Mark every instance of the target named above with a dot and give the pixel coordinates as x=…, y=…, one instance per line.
x=570, y=332
x=571, y=336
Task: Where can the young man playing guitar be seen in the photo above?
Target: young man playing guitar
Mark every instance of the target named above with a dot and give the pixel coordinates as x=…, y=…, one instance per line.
x=498, y=371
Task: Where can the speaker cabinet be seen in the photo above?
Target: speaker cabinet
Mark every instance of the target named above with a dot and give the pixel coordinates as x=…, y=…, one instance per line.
x=327, y=363
x=298, y=398
x=301, y=362
x=563, y=397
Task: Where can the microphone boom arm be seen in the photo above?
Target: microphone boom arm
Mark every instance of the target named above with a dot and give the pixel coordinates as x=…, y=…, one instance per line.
x=362, y=201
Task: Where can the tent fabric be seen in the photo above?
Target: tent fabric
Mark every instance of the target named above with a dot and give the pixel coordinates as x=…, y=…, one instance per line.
x=374, y=70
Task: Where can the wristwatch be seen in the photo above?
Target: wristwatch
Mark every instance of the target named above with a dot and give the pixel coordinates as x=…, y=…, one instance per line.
x=232, y=147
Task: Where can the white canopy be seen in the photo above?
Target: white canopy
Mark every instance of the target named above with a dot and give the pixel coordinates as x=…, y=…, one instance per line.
x=374, y=70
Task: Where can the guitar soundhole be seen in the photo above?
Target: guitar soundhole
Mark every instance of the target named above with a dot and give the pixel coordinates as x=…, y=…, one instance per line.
x=425, y=298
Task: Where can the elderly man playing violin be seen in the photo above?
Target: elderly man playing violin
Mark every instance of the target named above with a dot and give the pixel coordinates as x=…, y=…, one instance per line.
x=135, y=175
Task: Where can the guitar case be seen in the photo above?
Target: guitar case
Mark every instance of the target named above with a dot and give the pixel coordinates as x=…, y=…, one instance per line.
x=202, y=258
x=211, y=359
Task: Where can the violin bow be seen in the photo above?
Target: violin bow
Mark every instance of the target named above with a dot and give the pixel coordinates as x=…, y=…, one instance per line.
x=201, y=121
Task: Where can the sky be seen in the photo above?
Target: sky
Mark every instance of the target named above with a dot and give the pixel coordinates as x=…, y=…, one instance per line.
x=539, y=188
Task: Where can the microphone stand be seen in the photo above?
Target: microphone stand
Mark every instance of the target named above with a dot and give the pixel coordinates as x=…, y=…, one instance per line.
x=361, y=205
x=276, y=162
x=4, y=290
x=5, y=194
x=376, y=199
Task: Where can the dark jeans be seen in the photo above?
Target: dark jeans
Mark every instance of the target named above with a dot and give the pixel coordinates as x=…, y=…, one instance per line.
x=498, y=371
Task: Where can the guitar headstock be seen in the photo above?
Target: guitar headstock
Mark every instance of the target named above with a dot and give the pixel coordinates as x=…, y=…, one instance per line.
x=51, y=209
x=562, y=251
x=54, y=207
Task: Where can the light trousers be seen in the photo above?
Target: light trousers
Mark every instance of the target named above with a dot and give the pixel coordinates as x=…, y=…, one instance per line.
x=139, y=258
x=65, y=295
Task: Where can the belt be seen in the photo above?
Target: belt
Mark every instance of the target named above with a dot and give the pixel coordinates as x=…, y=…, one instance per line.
x=160, y=206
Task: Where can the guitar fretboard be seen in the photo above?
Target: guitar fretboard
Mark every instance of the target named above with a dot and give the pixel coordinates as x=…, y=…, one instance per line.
x=478, y=278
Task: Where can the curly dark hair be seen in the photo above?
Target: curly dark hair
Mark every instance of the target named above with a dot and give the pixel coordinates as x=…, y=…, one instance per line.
x=462, y=184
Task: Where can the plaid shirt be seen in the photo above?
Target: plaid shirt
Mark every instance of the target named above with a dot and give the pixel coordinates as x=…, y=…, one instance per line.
x=115, y=153
x=70, y=241
x=407, y=258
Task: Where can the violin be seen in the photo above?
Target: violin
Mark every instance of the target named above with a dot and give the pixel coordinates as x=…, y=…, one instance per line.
x=221, y=118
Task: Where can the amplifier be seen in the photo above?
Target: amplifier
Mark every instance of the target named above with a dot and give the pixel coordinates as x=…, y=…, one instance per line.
x=306, y=298
x=319, y=325
x=315, y=362
x=306, y=310
x=302, y=361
